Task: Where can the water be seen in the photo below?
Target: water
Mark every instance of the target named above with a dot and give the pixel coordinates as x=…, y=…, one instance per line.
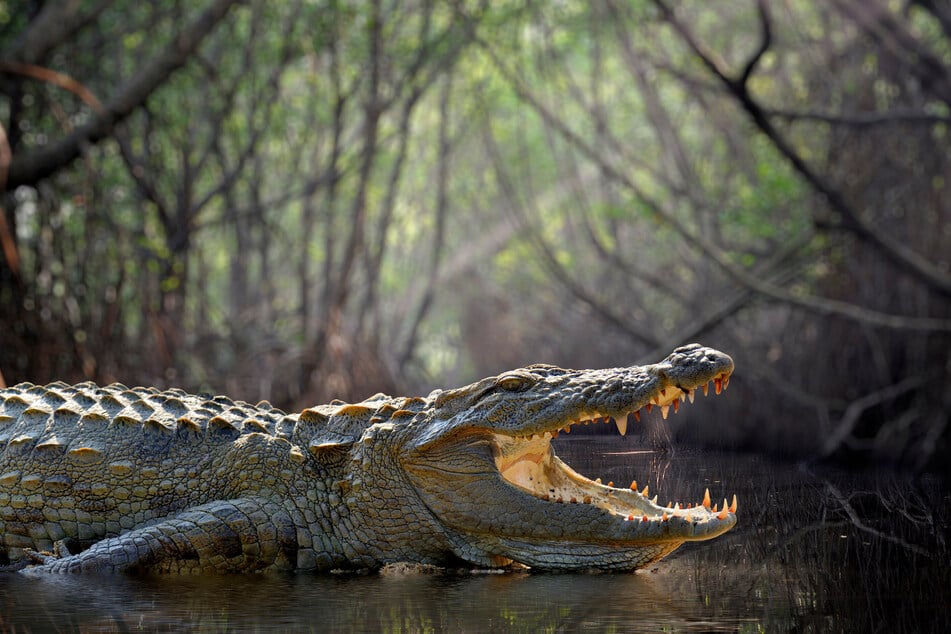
x=814, y=551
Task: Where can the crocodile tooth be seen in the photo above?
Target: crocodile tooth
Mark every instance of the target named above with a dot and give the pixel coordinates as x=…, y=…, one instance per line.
x=621, y=422
x=611, y=484
x=706, y=499
x=706, y=388
x=683, y=397
x=690, y=395
x=644, y=492
x=654, y=500
x=637, y=415
x=648, y=407
x=567, y=429
x=733, y=504
x=723, y=515
x=718, y=385
x=726, y=381
x=663, y=411
x=664, y=517
x=676, y=406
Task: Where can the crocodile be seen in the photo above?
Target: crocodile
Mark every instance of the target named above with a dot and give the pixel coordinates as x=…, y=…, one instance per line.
x=113, y=479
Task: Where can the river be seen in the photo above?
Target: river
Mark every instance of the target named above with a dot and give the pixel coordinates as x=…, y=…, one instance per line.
x=815, y=550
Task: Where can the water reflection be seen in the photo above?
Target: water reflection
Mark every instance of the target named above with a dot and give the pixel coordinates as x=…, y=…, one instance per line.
x=813, y=551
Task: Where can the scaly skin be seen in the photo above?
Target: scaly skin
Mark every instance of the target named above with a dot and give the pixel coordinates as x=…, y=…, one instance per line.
x=142, y=480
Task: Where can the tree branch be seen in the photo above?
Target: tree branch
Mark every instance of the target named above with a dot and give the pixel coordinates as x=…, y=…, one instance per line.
x=556, y=270
x=856, y=408
x=862, y=119
x=28, y=168
x=902, y=257
x=815, y=304
x=857, y=522
x=55, y=22
x=766, y=38
x=915, y=57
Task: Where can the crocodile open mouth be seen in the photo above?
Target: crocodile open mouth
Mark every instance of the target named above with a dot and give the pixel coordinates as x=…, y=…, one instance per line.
x=530, y=464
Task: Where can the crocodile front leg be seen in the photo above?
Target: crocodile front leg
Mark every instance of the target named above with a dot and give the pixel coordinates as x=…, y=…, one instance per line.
x=240, y=535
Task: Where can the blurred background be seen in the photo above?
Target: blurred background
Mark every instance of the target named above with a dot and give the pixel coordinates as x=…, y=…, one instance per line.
x=316, y=199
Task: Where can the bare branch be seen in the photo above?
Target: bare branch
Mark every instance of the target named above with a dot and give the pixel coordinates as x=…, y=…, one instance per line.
x=31, y=167
x=439, y=233
x=55, y=22
x=815, y=304
x=549, y=260
x=7, y=239
x=857, y=522
x=766, y=38
x=901, y=256
x=719, y=310
x=879, y=24
x=862, y=119
x=855, y=410
x=57, y=79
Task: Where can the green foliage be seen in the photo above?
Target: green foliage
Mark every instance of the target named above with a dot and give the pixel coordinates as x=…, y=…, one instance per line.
x=328, y=182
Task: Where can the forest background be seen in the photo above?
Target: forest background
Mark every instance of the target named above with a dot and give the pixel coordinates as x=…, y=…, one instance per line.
x=316, y=199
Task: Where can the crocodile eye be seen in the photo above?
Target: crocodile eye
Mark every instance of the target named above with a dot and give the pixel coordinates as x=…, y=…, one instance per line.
x=514, y=383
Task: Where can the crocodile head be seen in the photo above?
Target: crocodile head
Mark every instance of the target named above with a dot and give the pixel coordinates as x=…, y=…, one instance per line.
x=480, y=459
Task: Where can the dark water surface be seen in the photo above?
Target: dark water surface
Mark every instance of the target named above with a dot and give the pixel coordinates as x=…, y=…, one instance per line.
x=814, y=551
